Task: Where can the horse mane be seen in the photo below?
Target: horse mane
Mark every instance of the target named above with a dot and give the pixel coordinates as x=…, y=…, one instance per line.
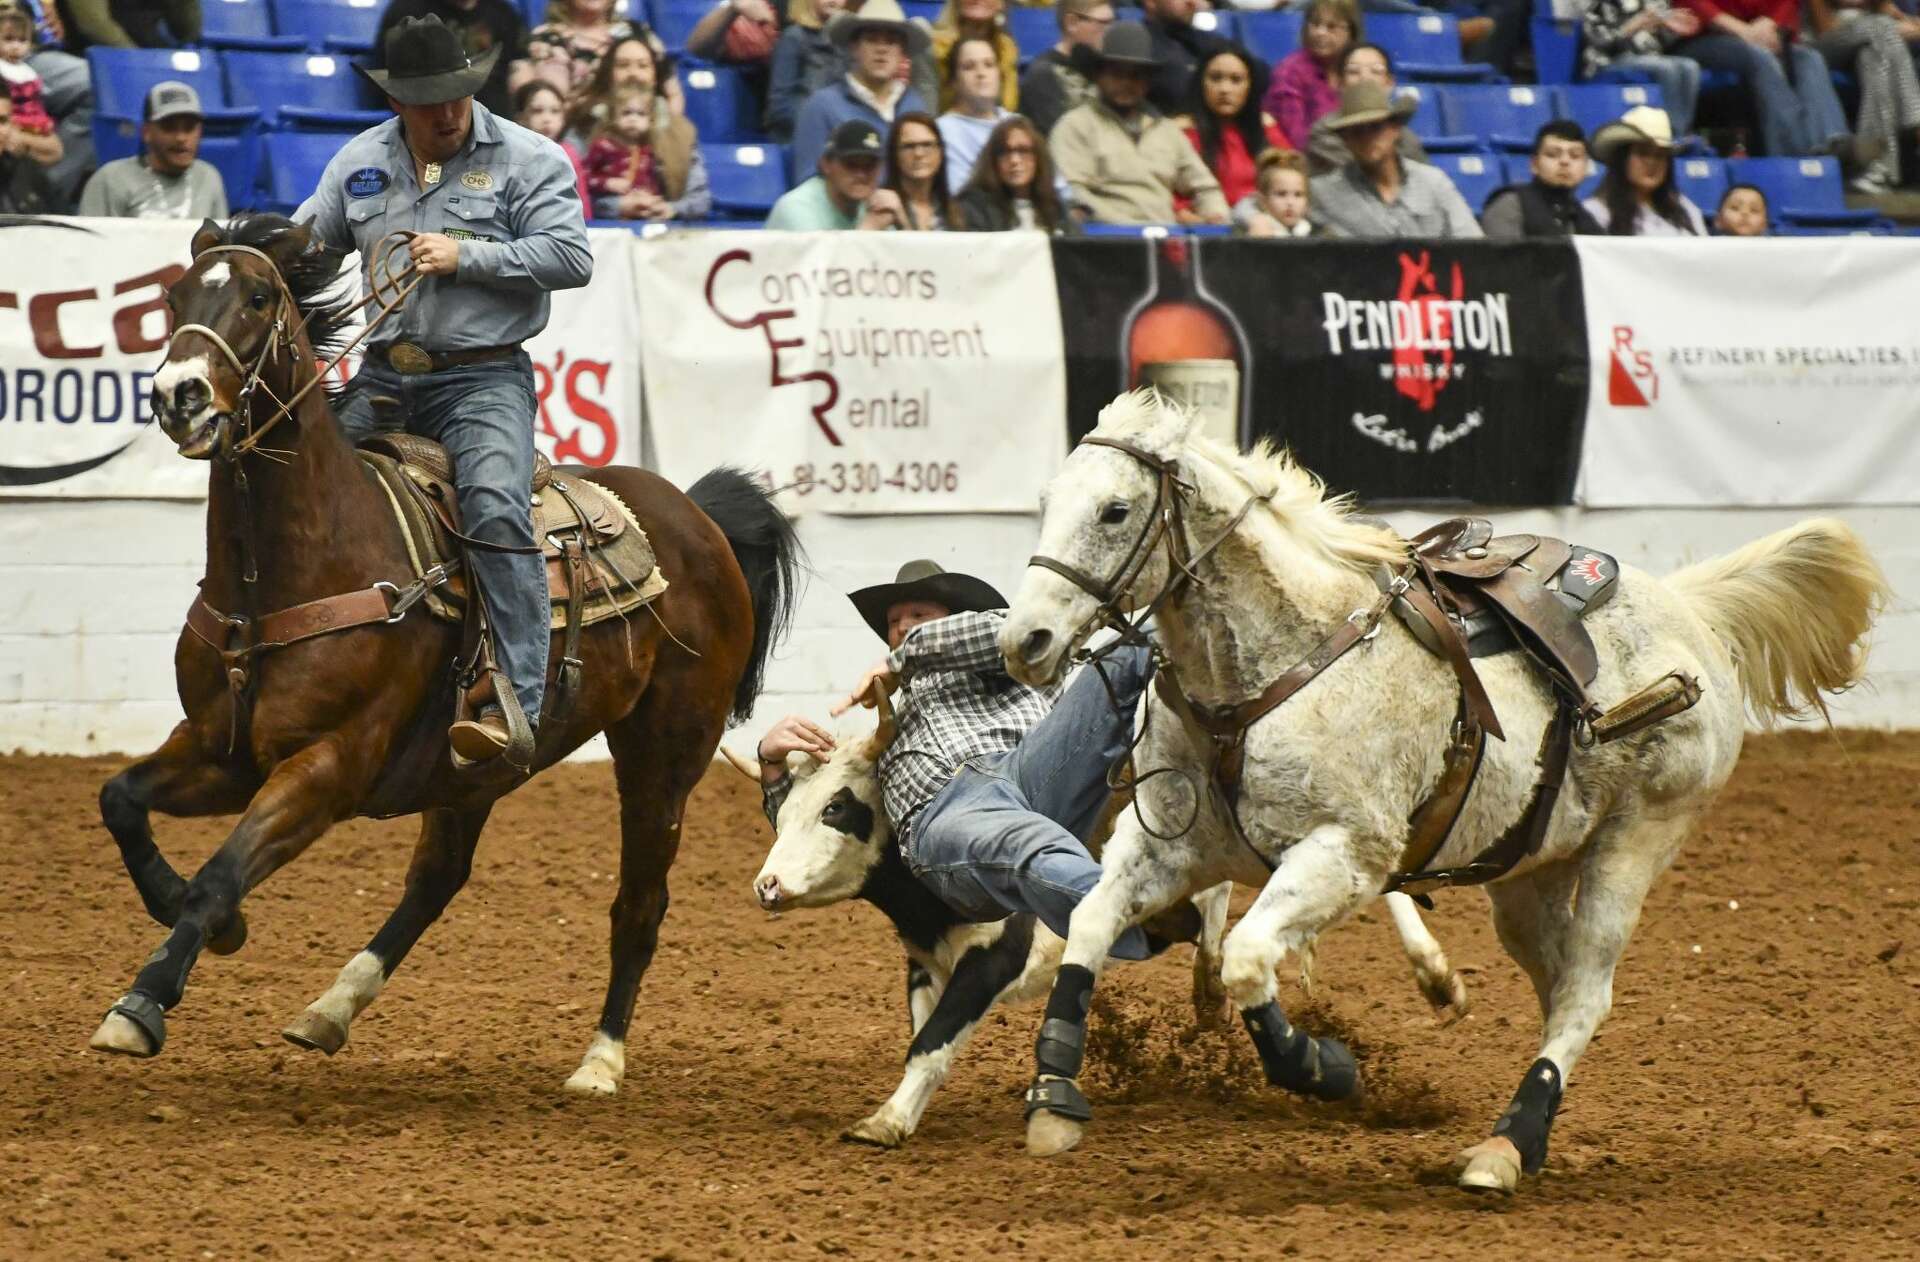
x=1294, y=495
x=313, y=278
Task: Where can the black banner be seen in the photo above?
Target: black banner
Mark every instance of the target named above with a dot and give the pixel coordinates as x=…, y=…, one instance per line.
x=1397, y=370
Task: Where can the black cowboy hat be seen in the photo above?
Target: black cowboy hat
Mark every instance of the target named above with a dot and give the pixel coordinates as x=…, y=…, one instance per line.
x=924, y=580
x=1124, y=44
x=426, y=64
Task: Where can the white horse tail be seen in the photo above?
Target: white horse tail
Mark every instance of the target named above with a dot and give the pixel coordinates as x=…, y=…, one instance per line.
x=1794, y=609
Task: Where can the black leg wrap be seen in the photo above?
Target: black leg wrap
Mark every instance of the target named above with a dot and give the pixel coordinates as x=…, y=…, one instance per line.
x=164, y=978
x=1529, y=1118
x=1321, y=1068
x=1058, y=1095
x=1063, y=1034
x=146, y=1014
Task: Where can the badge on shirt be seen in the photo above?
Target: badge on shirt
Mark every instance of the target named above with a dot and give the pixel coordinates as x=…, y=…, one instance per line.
x=477, y=180
x=465, y=234
x=367, y=182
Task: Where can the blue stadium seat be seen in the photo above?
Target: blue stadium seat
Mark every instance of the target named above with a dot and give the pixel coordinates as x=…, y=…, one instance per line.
x=237, y=158
x=1506, y=115
x=1594, y=105
x=1425, y=46
x=1429, y=120
x=122, y=78
x=344, y=25
x=1704, y=181
x=674, y=20
x=927, y=10
x=1556, y=50
x=720, y=104
x=301, y=89
x=1271, y=34
x=746, y=179
x=241, y=24
x=1034, y=31
x=1800, y=190
x=1476, y=175
x=295, y=162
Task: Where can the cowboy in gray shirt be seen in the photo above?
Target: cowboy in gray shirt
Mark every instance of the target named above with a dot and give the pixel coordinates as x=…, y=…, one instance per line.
x=495, y=217
x=1378, y=194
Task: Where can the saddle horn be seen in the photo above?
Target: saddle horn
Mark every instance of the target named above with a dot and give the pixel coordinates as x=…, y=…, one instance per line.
x=740, y=764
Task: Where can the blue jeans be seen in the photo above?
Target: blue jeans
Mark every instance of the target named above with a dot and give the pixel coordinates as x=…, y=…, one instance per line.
x=483, y=414
x=1678, y=79
x=1008, y=834
x=1797, y=117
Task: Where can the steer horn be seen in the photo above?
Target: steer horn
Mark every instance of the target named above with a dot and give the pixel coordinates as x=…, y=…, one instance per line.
x=741, y=765
x=887, y=728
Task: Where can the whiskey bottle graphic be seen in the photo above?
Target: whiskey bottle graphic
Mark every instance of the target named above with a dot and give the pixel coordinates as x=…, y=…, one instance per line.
x=1183, y=341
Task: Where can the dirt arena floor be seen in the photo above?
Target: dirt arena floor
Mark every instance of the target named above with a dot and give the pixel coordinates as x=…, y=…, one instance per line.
x=1754, y=1094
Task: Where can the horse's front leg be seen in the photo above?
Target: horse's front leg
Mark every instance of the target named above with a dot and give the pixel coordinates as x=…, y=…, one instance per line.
x=1316, y=884
x=177, y=779
x=1438, y=981
x=300, y=800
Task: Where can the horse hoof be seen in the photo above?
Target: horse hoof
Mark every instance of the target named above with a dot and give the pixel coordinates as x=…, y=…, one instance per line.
x=1049, y=1134
x=1338, y=1075
x=136, y=1026
x=879, y=1130
x=1492, y=1166
x=593, y=1078
x=317, y=1032
x=1447, y=993
x=232, y=935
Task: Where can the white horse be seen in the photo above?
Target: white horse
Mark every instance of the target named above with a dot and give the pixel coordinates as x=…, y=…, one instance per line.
x=1332, y=776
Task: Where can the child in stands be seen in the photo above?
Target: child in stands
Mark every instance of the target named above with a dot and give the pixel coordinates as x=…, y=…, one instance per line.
x=620, y=160
x=1742, y=213
x=1278, y=207
x=32, y=135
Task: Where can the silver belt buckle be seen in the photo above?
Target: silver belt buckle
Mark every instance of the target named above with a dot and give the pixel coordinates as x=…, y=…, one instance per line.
x=407, y=358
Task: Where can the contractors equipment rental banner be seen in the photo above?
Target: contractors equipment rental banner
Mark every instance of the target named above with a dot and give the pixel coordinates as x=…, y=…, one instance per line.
x=83, y=327
x=1774, y=372
x=857, y=372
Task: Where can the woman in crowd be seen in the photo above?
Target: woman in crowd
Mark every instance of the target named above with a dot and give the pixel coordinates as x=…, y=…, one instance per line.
x=973, y=74
x=1742, y=213
x=1865, y=36
x=645, y=163
x=537, y=106
x=1013, y=184
x=976, y=19
x=1278, y=206
x=917, y=172
x=630, y=63
x=1637, y=197
x=566, y=49
x=804, y=61
x=1635, y=35
x=1225, y=121
x=1303, y=83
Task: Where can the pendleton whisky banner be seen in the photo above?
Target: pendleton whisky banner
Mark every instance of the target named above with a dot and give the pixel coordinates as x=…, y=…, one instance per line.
x=1395, y=370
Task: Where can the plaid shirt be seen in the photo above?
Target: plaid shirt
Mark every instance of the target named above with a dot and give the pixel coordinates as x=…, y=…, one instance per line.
x=956, y=703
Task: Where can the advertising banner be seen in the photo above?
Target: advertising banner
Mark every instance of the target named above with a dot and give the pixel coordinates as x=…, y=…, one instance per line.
x=1753, y=373
x=858, y=372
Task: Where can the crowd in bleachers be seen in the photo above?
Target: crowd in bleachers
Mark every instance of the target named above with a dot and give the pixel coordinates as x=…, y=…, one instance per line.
x=1375, y=118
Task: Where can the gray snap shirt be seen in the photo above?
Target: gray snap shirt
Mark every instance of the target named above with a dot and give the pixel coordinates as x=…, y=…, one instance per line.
x=130, y=189
x=1346, y=203
x=510, y=198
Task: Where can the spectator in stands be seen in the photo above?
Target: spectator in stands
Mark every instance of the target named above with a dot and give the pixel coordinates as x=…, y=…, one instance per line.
x=844, y=195
x=67, y=88
x=1742, y=213
x=129, y=23
x=1638, y=198
x=974, y=71
x=1125, y=161
x=1852, y=36
x=1225, y=122
x=645, y=163
x=1178, y=47
x=537, y=106
x=166, y=179
x=1280, y=202
x=1491, y=31
x=630, y=63
x=1014, y=185
x=805, y=60
x=917, y=174
x=737, y=33
x=981, y=20
x=1051, y=86
x=24, y=187
x=1639, y=35
x=878, y=41
x=1304, y=83
x=482, y=25
x=1548, y=205
x=1759, y=41
x=1377, y=194
x=566, y=49
x=1360, y=63
x=30, y=133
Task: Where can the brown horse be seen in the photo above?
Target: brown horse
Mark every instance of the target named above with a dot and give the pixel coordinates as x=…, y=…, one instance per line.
x=331, y=713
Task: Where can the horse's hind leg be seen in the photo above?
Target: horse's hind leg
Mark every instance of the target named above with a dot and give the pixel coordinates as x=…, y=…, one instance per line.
x=442, y=860
x=1574, y=957
x=1210, y=1004
x=176, y=779
x=1438, y=982
x=656, y=762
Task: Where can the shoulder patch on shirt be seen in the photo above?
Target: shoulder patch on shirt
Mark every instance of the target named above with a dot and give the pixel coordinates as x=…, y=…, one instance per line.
x=477, y=180
x=367, y=182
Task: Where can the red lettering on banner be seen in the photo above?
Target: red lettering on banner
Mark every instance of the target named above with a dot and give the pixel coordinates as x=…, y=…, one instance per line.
x=567, y=448
x=127, y=321
x=1632, y=380
x=764, y=322
x=43, y=317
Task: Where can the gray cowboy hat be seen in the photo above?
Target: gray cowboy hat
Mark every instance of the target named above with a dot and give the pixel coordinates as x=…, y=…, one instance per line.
x=1124, y=44
x=878, y=15
x=426, y=64
x=1365, y=102
x=924, y=580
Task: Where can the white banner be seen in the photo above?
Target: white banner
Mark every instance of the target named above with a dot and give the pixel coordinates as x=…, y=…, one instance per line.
x=1751, y=372
x=863, y=372
x=83, y=328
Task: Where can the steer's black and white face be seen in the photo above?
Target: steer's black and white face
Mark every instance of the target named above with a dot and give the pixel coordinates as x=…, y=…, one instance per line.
x=833, y=832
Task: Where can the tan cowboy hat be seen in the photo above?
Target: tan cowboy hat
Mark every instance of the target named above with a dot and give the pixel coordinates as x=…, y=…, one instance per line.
x=426, y=64
x=1641, y=125
x=924, y=580
x=1367, y=102
x=878, y=15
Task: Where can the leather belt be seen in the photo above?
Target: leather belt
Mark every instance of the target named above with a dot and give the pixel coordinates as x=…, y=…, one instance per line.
x=409, y=359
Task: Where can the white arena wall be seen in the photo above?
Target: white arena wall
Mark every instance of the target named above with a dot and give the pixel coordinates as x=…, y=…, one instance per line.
x=97, y=590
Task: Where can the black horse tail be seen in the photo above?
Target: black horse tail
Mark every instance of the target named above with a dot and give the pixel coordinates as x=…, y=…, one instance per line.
x=769, y=554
